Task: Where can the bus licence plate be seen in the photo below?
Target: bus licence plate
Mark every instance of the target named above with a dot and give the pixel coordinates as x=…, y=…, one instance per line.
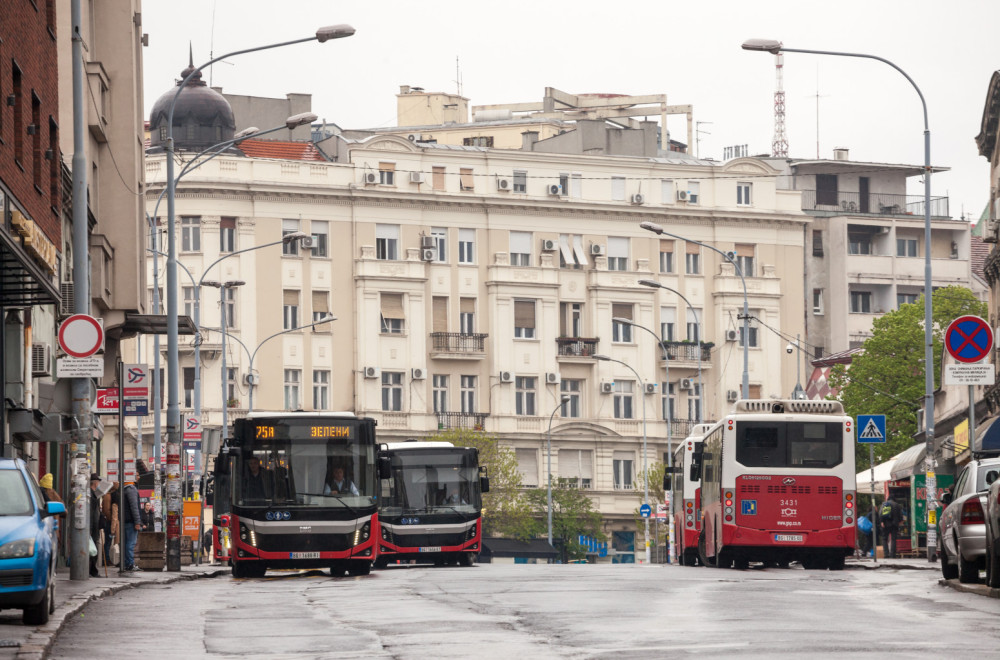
x=431, y=548
x=788, y=538
x=304, y=555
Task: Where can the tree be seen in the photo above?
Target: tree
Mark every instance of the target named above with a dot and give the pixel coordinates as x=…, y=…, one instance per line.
x=573, y=516
x=656, y=496
x=505, y=511
x=888, y=377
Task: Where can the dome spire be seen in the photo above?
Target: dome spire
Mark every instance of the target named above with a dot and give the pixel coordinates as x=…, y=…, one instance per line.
x=196, y=80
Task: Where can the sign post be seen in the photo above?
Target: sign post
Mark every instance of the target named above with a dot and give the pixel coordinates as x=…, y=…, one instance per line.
x=872, y=432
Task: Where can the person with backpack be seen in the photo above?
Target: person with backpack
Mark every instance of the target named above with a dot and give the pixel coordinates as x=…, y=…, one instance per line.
x=890, y=516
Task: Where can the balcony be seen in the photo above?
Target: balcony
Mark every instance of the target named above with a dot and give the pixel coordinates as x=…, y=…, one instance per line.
x=458, y=346
x=577, y=347
x=681, y=428
x=871, y=204
x=687, y=354
x=455, y=420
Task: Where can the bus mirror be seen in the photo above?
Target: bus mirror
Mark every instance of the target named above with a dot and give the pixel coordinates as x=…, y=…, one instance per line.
x=695, y=472
x=484, y=484
x=235, y=451
x=666, y=482
x=384, y=467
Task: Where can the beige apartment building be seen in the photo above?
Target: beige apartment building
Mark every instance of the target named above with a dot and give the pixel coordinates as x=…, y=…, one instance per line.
x=474, y=286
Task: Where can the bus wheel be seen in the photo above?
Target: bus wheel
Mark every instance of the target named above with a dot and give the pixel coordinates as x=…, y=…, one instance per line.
x=837, y=563
x=257, y=570
x=380, y=563
x=337, y=570
x=741, y=564
x=238, y=571
x=466, y=559
x=702, y=555
x=359, y=568
x=689, y=557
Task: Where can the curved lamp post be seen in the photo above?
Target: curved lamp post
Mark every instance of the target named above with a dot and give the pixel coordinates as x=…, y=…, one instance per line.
x=645, y=462
x=563, y=400
x=775, y=47
x=253, y=379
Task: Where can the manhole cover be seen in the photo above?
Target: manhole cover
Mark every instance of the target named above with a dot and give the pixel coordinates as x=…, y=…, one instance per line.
x=9, y=643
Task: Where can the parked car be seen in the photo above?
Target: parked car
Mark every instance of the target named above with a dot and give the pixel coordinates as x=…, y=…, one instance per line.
x=28, y=545
x=962, y=528
x=993, y=534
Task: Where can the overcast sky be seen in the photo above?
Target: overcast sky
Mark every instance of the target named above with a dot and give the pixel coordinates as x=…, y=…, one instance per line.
x=510, y=51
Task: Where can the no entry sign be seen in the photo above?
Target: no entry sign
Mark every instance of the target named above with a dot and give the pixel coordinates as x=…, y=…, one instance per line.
x=81, y=335
x=968, y=339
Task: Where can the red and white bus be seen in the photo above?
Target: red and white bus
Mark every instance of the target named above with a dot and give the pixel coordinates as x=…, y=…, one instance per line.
x=431, y=507
x=298, y=490
x=778, y=485
x=686, y=494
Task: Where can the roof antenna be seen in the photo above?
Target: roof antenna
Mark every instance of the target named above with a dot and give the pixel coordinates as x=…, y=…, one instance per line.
x=458, y=77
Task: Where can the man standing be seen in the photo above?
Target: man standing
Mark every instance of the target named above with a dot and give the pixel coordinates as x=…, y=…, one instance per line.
x=133, y=523
x=890, y=516
x=95, y=522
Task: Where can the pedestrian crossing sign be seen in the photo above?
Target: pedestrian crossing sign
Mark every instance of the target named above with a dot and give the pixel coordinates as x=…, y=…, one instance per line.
x=871, y=429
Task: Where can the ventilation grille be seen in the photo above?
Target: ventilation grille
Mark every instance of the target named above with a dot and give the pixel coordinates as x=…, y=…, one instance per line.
x=779, y=406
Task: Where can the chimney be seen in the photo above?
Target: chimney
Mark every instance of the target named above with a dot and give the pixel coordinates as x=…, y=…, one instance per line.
x=528, y=140
x=840, y=153
x=404, y=89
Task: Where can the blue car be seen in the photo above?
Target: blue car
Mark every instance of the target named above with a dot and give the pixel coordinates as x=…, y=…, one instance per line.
x=28, y=545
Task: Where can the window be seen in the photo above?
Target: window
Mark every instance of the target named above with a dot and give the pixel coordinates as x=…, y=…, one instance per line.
x=320, y=309
x=189, y=298
x=387, y=242
x=468, y=394
x=190, y=234
x=440, y=236
x=392, y=391
x=466, y=243
x=743, y=193
x=527, y=467
x=520, y=181
x=744, y=259
x=617, y=253
x=321, y=390
x=437, y=178
x=571, y=388
x=666, y=191
x=668, y=319
x=229, y=300
x=292, y=379
x=666, y=256
x=817, y=243
x=906, y=299
x=18, y=114
x=393, y=319
x=792, y=444
x=566, y=257
x=320, y=231
x=817, y=301
x=289, y=248
x=440, y=393
x=669, y=401
x=618, y=188
x=576, y=186
x=467, y=316
x=387, y=174
x=188, y=387
x=694, y=403
x=291, y=309
x=571, y=319
x=231, y=394
x=520, y=248
x=694, y=189
x=861, y=302
x=524, y=395
x=576, y=467
x=693, y=329
x=621, y=463
x=227, y=235
x=826, y=189
x=753, y=333
x=478, y=141
x=563, y=183
x=465, y=180
x=621, y=332
x=623, y=399
x=36, y=141
x=692, y=258
x=524, y=319
x=906, y=247
x=439, y=314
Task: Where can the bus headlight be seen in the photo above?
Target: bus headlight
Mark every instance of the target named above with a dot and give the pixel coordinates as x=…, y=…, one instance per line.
x=247, y=535
x=472, y=531
x=361, y=535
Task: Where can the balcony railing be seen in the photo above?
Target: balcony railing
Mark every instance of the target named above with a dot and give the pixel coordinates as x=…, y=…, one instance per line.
x=577, y=346
x=687, y=351
x=872, y=203
x=457, y=342
x=681, y=428
x=456, y=420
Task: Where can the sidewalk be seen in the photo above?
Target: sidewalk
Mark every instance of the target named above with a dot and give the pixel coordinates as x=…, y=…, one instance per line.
x=913, y=563
x=23, y=642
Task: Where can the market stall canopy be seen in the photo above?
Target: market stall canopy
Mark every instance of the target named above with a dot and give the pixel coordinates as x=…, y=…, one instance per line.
x=909, y=462
x=882, y=474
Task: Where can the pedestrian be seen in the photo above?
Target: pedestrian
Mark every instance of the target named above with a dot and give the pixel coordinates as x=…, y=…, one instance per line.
x=890, y=515
x=95, y=522
x=109, y=523
x=147, y=517
x=132, y=523
x=51, y=495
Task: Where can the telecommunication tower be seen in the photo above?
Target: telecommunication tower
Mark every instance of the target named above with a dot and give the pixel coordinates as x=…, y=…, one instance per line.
x=779, y=143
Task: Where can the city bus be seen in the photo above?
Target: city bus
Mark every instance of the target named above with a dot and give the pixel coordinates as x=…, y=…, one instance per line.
x=686, y=495
x=778, y=485
x=431, y=507
x=278, y=502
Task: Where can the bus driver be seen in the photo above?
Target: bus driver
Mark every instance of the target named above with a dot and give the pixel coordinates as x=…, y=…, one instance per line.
x=340, y=485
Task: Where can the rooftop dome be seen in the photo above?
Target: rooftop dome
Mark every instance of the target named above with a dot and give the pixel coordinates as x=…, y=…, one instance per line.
x=202, y=116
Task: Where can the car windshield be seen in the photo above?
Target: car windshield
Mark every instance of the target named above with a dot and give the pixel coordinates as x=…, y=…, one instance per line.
x=432, y=481
x=14, y=497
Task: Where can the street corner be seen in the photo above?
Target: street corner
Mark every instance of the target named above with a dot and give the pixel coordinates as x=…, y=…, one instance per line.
x=971, y=588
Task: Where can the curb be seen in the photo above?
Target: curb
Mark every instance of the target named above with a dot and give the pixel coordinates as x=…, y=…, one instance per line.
x=39, y=643
x=978, y=589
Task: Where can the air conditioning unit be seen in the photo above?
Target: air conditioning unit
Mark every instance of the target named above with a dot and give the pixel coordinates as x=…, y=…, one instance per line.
x=732, y=396
x=307, y=242
x=596, y=249
x=416, y=177
x=251, y=379
x=412, y=138
x=552, y=378
x=418, y=374
x=370, y=178
x=607, y=388
x=428, y=254
x=548, y=245
x=41, y=359
x=427, y=242
x=638, y=198
x=506, y=377
x=650, y=388
x=371, y=372
x=732, y=335
x=504, y=184
x=682, y=195
x=555, y=190
x=66, y=304
x=687, y=383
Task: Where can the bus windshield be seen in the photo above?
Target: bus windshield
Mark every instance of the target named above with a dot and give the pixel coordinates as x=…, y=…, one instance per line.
x=790, y=444
x=433, y=480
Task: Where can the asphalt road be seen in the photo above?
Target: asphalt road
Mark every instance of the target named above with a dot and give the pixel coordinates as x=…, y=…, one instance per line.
x=540, y=611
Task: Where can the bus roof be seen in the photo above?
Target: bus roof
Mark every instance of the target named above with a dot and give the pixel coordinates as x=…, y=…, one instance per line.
x=285, y=413
x=792, y=406
x=398, y=446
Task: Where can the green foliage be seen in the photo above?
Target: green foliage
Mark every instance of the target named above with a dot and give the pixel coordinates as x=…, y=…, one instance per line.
x=505, y=511
x=656, y=496
x=888, y=377
x=573, y=515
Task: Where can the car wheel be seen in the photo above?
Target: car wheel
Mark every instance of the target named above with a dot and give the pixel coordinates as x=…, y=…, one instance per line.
x=948, y=570
x=38, y=615
x=992, y=566
x=968, y=571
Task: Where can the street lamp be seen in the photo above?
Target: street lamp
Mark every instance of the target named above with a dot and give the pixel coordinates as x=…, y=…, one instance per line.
x=775, y=47
x=645, y=463
x=222, y=287
x=798, y=392
x=731, y=258
x=562, y=401
x=252, y=380
x=173, y=408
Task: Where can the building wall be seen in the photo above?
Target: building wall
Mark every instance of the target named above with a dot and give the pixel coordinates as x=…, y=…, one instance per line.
x=265, y=113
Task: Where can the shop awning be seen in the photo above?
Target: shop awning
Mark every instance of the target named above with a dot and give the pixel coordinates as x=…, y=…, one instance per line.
x=883, y=473
x=988, y=435
x=909, y=462
x=22, y=282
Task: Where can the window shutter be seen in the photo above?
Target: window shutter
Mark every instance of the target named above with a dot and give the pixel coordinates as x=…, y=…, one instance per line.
x=617, y=247
x=621, y=311
x=527, y=466
x=467, y=305
x=227, y=223
x=387, y=167
x=744, y=250
x=692, y=248
x=520, y=242
x=437, y=178
x=320, y=302
x=392, y=305
x=666, y=246
x=440, y=314
x=569, y=463
x=524, y=313
x=465, y=178
x=291, y=297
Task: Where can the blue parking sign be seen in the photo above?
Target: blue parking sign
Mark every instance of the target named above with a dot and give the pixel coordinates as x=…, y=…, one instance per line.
x=748, y=507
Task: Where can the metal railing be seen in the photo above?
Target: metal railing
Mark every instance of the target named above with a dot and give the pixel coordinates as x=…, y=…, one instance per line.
x=457, y=342
x=457, y=420
x=688, y=351
x=577, y=346
x=872, y=203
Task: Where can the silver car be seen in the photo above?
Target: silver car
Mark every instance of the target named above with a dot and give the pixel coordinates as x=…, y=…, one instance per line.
x=962, y=528
x=993, y=535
